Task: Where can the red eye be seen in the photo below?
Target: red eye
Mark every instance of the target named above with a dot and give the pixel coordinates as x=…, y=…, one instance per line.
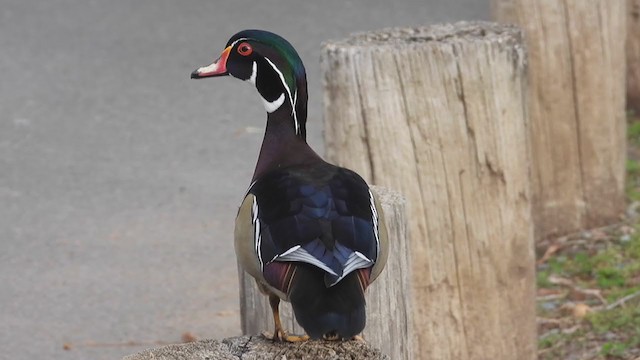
x=245, y=49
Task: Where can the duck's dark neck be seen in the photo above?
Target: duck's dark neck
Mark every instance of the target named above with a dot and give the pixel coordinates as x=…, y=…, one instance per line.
x=281, y=146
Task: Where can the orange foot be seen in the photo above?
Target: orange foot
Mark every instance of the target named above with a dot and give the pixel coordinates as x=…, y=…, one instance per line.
x=281, y=335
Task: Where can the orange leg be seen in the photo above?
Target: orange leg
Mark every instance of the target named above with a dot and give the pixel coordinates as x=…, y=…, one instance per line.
x=279, y=334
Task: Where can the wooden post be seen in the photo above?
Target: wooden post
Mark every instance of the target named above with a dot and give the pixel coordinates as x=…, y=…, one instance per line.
x=388, y=299
x=633, y=56
x=576, y=107
x=259, y=348
x=438, y=113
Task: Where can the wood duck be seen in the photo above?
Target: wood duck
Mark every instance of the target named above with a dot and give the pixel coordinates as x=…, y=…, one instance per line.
x=309, y=232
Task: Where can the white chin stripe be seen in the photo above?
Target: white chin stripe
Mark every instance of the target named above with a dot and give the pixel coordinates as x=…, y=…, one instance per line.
x=270, y=106
x=254, y=74
x=273, y=105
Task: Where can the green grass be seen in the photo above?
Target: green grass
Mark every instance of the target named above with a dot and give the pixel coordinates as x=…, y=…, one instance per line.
x=615, y=331
x=614, y=349
x=542, y=279
x=632, y=166
x=610, y=265
x=550, y=341
x=623, y=323
x=614, y=269
x=619, y=319
x=633, y=131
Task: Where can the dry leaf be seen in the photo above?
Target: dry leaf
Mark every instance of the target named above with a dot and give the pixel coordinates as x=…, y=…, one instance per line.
x=627, y=230
x=552, y=249
x=546, y=291
x=226, y=313
x=559, y=280
x=571, y=330
x=581, y=310
x=188, y=337
x=576, y=295
x=596, y=293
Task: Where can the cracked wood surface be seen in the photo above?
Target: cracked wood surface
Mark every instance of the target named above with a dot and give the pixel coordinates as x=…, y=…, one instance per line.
x=438, y=114
x=259, y=348
x=633, y=56
x=388, y=304
x=576, y=106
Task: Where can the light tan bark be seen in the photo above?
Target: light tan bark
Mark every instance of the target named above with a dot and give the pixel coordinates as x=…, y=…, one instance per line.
x=388, y=301
x=576, y=103
x=438, y=113
x=633, y=56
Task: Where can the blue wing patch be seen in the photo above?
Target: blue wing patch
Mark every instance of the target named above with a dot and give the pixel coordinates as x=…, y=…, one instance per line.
x=324, y=216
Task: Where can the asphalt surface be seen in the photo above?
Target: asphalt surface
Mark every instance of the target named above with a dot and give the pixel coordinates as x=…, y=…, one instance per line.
x=120, y=177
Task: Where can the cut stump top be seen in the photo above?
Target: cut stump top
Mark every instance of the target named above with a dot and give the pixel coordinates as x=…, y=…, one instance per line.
x=462, y=31
x=258, y=348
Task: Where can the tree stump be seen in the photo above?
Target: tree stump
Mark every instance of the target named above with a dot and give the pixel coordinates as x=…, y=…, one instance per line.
x=438, y=114
x=576, y=107
x=388, y=302
x=633, y=56
x=259, y=348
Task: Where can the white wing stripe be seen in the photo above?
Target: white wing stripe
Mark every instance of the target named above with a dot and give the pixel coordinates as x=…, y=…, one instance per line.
x=374, y=213
x=257, y=237
x=298, y=253
x=355, y=261
x=289, y=251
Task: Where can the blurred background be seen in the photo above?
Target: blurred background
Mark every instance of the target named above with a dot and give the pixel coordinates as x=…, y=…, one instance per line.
x=120, y=177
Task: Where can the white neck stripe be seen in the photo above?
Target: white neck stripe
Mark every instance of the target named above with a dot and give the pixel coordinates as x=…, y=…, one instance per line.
x=291, y=99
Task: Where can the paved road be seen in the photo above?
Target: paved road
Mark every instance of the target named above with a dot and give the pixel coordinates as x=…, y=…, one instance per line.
x=120, y=177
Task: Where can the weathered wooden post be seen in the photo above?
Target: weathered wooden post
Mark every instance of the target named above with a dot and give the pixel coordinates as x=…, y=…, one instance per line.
x=438, y=113
x=633, y=55
x=576, y=107
x=388, y=300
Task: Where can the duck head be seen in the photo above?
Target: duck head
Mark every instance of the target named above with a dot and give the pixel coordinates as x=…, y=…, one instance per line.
x=269, y=62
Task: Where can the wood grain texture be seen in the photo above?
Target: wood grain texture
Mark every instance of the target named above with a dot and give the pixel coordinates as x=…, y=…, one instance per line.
x=258, y=348
x=388, y=301
x=633, y=55
x=438, y=113
x=576, y=106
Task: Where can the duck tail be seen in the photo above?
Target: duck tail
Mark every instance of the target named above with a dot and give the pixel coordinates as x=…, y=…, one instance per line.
x=334, y=312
